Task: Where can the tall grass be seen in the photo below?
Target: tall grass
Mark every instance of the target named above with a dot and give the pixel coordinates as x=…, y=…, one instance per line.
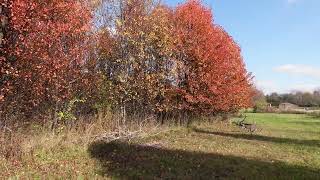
x=26, y=147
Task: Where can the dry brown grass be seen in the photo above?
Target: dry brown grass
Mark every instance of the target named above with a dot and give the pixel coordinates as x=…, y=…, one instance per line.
x=36, y=151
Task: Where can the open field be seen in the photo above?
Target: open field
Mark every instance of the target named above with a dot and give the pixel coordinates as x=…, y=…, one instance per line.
x=286, y=147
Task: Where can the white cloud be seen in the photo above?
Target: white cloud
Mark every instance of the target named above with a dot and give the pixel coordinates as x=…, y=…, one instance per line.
x=304, y=70
x=304, y=87
x=267, y=86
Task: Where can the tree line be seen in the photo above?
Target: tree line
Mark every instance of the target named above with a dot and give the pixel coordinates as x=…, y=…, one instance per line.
x=125, y=56
x=303, y=99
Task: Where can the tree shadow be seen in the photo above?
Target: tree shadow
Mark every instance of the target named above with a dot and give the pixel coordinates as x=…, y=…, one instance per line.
x=311, y=143
x=130, y=161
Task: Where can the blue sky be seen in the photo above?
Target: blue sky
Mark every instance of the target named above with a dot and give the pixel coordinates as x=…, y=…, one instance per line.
x=280, y=39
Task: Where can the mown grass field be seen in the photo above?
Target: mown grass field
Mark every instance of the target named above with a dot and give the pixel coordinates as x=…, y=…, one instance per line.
x=286, y=147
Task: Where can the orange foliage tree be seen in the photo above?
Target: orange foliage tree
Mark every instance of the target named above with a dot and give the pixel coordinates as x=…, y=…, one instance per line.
x=44, y=48
x=214, y=78
x=151, y=58
x=7, y=70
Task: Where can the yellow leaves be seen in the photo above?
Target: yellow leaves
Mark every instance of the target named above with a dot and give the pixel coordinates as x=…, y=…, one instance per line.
x=95, y=3
x=121, y=79
x=119, y=23
x=148, y=77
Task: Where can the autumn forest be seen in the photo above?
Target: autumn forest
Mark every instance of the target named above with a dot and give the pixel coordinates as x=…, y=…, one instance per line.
x=129, y=57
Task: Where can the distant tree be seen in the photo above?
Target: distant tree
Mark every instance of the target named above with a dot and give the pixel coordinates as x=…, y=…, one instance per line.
x=316, y=97
x=274, y=99
x=308, y=100
x=303, y=99
x=259, y=100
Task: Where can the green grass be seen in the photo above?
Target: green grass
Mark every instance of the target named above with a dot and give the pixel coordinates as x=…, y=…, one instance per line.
x=286, y=147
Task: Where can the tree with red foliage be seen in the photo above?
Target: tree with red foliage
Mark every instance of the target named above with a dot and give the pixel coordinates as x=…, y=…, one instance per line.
x=44, y=47
x=7, y=71
x=147, y=54
x=214, y=77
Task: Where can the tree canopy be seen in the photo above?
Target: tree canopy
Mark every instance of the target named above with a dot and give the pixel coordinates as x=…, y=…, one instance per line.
x=134, y=55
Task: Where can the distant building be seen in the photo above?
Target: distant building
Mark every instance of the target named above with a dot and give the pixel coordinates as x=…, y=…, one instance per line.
x=287, y=106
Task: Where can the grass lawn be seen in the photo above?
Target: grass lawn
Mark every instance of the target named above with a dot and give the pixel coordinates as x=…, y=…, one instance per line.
x=286, y=147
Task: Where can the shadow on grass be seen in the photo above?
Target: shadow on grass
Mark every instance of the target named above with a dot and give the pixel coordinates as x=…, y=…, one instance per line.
x=130, y=161
x=312, y=143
